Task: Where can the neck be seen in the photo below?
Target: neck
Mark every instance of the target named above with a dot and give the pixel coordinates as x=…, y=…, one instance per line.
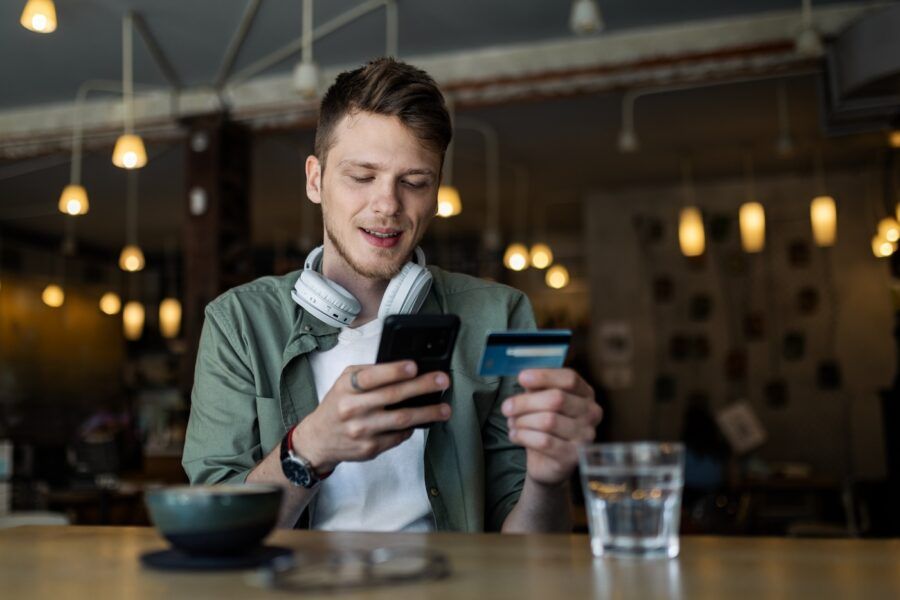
x=368, y=291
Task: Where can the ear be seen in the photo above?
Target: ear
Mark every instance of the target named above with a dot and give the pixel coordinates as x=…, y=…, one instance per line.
x=313, y=179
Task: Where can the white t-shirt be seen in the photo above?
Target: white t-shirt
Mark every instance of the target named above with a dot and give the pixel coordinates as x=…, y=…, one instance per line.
x=386, y=493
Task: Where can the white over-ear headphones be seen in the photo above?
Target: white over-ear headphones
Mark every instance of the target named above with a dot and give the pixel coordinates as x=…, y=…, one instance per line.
x=335, y=306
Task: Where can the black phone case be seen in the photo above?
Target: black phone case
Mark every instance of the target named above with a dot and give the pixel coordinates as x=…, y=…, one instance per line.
x=406, y=337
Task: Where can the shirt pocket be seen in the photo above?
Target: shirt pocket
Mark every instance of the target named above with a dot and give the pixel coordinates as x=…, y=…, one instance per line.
x=481, y=390
x=270, y=423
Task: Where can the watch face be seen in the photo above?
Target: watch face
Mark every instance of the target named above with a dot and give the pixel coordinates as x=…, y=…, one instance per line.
x=296, y=473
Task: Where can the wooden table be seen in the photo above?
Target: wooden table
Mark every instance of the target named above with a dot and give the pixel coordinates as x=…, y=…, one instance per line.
x=102, y=562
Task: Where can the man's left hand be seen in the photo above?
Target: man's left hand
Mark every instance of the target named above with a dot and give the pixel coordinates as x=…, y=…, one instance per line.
x=555, y=415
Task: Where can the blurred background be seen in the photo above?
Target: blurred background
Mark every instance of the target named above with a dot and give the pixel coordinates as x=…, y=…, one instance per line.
x=704, y=192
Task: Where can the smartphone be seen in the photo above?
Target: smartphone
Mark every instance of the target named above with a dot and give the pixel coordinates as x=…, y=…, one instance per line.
x=426, y=339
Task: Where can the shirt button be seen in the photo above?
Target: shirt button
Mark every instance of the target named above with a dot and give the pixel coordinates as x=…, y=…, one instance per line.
x=434, y=492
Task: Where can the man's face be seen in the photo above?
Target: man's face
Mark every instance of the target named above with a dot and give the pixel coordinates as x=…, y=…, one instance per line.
x=378, y=193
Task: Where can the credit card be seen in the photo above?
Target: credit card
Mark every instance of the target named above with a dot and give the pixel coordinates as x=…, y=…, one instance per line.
x=508, y=352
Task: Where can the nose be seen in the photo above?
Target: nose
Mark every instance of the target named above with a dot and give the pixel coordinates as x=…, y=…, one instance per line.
x=386, y=200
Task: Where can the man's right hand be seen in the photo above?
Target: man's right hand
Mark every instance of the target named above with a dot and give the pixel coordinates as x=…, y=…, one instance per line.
x=351, y=424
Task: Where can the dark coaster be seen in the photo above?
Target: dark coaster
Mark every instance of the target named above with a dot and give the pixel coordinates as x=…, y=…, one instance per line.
x=176, y=560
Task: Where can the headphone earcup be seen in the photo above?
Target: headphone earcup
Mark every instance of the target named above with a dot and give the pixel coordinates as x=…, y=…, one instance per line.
x=406, y=292
x=327, y=300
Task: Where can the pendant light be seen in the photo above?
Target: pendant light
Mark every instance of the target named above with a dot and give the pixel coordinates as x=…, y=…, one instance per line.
x=516, y=257
x=894, y=138
x=39, y=16
x=306, y=73
x=752, y=215
x=889, y=229
x=585, y=17
x=133, y=320
x=53, y=296
x=110, y=303
x=132, y=258
x=822, y=210
x=170, y=307
x=808, y=41
x=541, y=256
x=449, y=203
x=129, y=152
x=691, y=235
x=557, y=277
x=882, y=248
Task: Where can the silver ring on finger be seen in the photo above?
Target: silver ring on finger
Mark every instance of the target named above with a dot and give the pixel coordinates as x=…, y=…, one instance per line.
x=354, y=383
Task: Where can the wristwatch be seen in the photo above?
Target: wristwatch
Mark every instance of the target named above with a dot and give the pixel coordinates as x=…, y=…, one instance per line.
x=296, y=468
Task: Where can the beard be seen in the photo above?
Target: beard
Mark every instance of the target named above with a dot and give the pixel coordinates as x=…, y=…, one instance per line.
x=385, y=269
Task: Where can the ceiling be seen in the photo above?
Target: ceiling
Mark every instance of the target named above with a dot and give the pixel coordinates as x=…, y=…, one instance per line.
x=567, y=145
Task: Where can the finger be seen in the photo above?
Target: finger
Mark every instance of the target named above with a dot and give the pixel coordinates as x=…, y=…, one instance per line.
x=554, y=400
x=566, y=428
x=542, y=442
x=428, y=383
x=370, y=377
x=386, y=421
x=563, y=379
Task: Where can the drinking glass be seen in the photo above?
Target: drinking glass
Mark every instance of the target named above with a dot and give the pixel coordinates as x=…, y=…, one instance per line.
x=632, y=493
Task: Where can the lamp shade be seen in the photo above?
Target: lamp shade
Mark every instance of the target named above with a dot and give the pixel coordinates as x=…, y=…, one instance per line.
x=53, y=296
x=516, y=257
x=129, y=152
x=110, y=303
x=306, y=79
x=131, y=259
x=449, y=203
x=133, y=320
x=541, y=256
x=889, y=229
x=557, y=277
x=691, y=235
x=882, y=248
x=585, y=17
x=39, y=16
x=752, y=217
x=169, y=318
x=823, y=215
x=73, y=200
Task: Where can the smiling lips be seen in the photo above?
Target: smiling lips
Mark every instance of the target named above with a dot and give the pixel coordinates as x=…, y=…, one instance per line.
x=380, y=237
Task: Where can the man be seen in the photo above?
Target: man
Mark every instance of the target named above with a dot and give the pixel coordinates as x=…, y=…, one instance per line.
x=282, y=397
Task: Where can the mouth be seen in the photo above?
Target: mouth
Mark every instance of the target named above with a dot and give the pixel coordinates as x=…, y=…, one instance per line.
x=382, y=238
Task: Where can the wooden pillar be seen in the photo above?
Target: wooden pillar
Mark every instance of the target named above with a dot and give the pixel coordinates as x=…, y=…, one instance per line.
x=216, y=248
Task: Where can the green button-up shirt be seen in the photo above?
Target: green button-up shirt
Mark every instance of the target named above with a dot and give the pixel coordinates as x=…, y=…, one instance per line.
x=253, y=381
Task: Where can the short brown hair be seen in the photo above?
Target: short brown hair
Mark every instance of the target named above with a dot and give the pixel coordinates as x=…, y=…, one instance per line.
x=386, y=87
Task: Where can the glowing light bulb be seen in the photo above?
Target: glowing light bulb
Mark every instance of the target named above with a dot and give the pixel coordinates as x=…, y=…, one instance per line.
x=39, y=16
x=110, y=303
x=557, y=277
x=541, y=256
x=691, y=235
x=73, y=200
x=53, y=296
x=169, y=317
x=823, y=215
x=129, y=152
x=752, y=217
x=889, y=229
x=516, y=257
x=449, y=203
x=131, y=259
x=133, y=320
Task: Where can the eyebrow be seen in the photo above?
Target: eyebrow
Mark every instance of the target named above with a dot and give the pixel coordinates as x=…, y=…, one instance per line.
x=375, y=167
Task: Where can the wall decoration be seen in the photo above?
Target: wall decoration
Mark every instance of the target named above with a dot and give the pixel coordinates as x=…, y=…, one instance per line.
x=664, y=388
x=700, y=348
x=678, y=347
x=663, y=289
x=736, y=365
x=794, y=345
x=828, y=375
x=798, y=254
x=776, y=393
x=741, y=427
x=807, y=300
x=700, y=307
x=616, y=342
x=754, y=326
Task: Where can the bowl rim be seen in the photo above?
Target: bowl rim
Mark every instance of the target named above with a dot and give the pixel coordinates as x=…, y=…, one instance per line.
x=222, y=489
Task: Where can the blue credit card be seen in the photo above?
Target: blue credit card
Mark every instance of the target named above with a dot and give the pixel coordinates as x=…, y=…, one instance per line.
x=508, y=352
